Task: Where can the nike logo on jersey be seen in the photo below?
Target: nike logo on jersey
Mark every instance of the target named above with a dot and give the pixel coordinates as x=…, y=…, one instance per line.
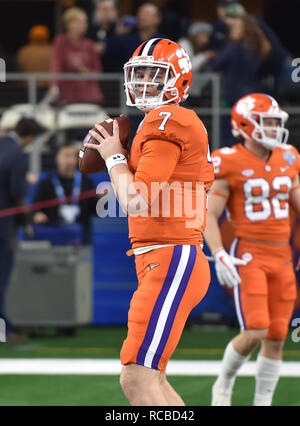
x=283, y=169
x=152, y=266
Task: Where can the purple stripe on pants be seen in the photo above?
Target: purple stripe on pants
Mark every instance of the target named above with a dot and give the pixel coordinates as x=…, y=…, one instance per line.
x=158, y=305
x=174, y=308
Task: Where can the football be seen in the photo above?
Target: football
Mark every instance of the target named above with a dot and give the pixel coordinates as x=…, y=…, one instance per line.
x=90, y=160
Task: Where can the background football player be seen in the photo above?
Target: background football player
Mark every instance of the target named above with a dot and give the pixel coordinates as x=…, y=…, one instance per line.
x=256, y=181
x=170, y=147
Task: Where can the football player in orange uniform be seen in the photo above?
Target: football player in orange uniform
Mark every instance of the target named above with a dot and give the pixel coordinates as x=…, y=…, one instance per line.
x=167, y=176
x=256, y=181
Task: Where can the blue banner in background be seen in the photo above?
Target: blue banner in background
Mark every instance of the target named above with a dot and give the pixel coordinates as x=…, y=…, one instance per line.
x=115, y=278
x=114, y=272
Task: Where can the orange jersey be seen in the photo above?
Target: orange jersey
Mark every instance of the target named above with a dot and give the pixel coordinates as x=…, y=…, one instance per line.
x=187, y=170
x=259, y=190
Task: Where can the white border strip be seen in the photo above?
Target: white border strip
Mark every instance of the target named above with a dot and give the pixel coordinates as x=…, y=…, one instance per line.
x=113, y=367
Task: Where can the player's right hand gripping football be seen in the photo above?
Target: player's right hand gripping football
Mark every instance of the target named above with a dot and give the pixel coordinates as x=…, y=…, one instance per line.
x=225, y=268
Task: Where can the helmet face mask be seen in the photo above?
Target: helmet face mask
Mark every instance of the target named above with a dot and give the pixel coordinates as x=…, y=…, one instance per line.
x=149, y=83
x=158, y=79
x=271, y=136
x=258, y=117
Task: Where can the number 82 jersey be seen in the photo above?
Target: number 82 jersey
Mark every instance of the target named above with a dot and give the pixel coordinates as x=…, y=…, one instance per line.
x=259, y=190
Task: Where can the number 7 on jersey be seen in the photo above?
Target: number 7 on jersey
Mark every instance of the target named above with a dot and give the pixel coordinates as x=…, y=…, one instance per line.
x=166, y=118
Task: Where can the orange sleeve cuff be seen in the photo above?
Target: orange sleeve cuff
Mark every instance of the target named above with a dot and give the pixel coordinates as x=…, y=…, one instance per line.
x=157, y=164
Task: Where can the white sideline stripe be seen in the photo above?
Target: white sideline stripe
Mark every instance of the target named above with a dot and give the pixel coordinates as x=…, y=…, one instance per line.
x=113, y=366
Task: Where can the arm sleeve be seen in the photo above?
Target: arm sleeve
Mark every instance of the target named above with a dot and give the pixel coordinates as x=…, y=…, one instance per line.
x=157, y=164
x=153, y=166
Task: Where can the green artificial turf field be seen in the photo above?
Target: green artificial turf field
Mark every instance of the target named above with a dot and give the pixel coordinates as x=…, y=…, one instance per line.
x=47, y=390
x=96, y=343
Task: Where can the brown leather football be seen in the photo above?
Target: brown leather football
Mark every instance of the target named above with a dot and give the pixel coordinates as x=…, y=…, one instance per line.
x=90, y=161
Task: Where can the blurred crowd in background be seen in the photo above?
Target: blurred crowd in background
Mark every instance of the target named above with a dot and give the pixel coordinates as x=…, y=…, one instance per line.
x=242, y=48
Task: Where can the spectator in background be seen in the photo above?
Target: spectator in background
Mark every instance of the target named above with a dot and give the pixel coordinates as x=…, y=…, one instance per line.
x=239, y=63
x=35, y=57
x=66, y=181
x=104, y=21
x=120, y=47
x=219, y=34
x=241, y=59
x=196, y=45
x=277, y=62
x=174, y=23
x=13, y=190
x=106, y=24
x=74, y=53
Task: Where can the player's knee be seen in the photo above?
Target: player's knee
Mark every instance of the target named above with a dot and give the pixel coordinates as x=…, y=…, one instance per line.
x=127, y=382
x=131, y=381
x=254, y=337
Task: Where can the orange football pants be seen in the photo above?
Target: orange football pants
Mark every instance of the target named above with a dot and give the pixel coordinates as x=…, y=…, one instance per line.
x=266, y=296
x=171, y=282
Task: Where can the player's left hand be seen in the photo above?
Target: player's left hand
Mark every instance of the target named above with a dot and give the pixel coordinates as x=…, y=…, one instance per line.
x=108, y=145
x=225, y=268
